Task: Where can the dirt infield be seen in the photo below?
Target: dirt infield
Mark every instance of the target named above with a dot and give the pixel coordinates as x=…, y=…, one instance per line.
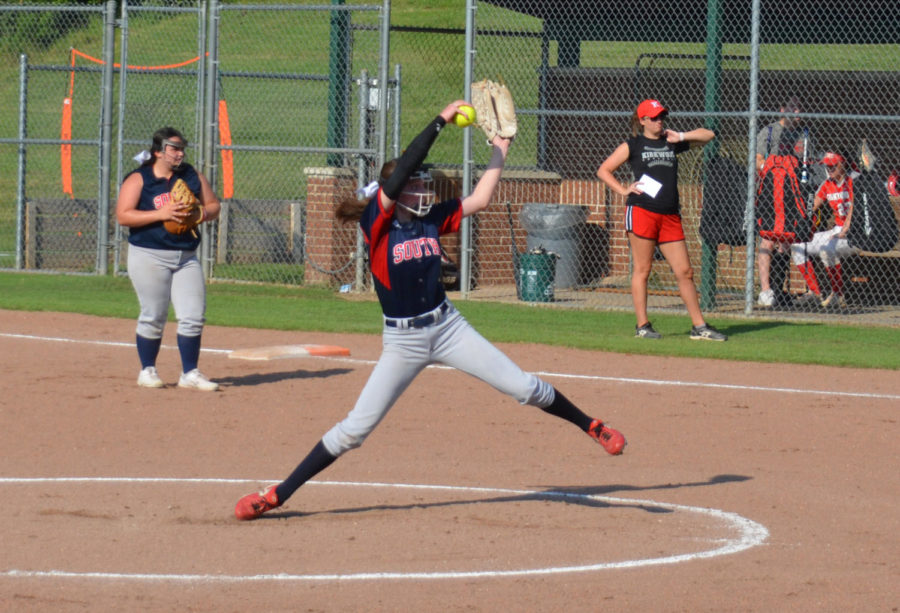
x=744, y=487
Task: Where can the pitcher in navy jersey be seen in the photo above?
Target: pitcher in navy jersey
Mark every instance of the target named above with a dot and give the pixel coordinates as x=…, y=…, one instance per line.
x=653, y=211
x=402, y=226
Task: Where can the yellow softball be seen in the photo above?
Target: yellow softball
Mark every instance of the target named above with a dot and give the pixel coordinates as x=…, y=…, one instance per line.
x=461, y=119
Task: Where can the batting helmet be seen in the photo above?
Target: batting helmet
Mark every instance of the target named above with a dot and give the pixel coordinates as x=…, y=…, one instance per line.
x=892, y=184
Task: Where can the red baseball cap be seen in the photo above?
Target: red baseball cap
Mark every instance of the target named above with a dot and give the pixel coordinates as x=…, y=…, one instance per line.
x=651, y=109
x=832, y=159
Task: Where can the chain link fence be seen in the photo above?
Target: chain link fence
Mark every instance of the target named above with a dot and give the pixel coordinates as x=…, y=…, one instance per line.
x=578, y=71
x=290, y=107
x=53, y=228
x=290, y=113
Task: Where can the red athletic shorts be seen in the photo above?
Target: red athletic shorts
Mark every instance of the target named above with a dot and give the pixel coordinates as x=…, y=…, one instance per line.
x=654, y=226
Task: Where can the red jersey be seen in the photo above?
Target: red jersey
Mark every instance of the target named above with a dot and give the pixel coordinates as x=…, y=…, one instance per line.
x=838, y=196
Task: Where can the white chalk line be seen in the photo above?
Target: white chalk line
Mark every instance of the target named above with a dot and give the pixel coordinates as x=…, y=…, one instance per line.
x=59, y=339
x=625, y=380
x=749, y=534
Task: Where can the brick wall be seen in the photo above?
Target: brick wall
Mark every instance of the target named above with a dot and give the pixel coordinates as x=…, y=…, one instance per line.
x=329, y=244
x=604, y=251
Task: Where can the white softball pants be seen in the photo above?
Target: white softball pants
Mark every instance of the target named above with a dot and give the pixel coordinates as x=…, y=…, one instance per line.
x=160, y=276
x=451, y=341
x=827, y=245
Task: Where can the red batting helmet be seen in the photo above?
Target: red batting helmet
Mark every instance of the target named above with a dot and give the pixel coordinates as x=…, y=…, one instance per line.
x=892, y=184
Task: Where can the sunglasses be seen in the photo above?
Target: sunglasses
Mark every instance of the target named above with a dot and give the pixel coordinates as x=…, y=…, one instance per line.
x=661, y=117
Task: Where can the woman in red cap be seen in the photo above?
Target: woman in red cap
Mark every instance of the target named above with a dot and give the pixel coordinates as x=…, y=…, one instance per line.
x=830, y=245
x=652, y=213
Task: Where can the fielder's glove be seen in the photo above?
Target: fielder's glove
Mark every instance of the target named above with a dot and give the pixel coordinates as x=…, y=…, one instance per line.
x=181, y=193
x=494, y=109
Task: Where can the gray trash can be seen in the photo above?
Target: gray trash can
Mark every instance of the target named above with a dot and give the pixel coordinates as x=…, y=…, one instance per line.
x=558, y=229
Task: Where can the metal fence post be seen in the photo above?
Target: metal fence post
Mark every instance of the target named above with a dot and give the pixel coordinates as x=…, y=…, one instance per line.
x=20, y=182
x=398, y=107
x=120, y=128
x=383, y=58
x=465, y=235
x=109, y=47
x=709, y=252
x=210, y=118
x=361, y=177
x=751, y=158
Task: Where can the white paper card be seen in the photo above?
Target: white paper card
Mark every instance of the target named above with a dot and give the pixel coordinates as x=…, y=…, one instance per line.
x=649, y=185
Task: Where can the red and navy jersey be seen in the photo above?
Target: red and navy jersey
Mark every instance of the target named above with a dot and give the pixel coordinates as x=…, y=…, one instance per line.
x=406, y=257
x=155, y=194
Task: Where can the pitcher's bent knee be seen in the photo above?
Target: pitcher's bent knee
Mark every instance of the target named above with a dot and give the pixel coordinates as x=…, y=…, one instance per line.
x=338, y=441
x=540, y=395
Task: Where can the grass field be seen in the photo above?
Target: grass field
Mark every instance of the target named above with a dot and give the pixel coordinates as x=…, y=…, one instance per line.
x=313, y=309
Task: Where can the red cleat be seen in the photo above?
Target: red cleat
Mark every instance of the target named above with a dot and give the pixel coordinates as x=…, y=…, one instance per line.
x=612, y=440
x=252, y=506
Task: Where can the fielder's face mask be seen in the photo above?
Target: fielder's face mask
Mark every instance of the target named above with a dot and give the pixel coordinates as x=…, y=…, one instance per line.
x=174, y=144
x=417, y=196
x=174, y=148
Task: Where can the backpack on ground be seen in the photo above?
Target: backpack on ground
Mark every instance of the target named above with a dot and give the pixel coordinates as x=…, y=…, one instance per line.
x=873, y=226
x=724, y=201
x=781, y=209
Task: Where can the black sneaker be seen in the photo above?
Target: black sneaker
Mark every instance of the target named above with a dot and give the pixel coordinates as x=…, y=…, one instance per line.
x=646, y=331
x=706, y=333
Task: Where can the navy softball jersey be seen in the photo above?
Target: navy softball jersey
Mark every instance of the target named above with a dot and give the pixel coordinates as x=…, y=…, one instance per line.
x=154, y=195
x=405, y=258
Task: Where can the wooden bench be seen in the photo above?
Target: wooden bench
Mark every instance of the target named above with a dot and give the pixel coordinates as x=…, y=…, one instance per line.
x=872, y=278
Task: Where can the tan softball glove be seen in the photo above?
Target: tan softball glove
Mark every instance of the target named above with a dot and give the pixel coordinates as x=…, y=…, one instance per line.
x=495, y=109
x=182, y=194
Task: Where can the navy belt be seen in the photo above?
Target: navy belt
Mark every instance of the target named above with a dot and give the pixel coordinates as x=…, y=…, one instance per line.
x=421, y=321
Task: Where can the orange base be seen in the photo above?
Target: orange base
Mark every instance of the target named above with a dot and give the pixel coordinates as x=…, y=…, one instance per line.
x=277, y=352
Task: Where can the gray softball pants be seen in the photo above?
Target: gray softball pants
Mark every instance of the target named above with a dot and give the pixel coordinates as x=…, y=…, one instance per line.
x=160, y=276
x=451, y=341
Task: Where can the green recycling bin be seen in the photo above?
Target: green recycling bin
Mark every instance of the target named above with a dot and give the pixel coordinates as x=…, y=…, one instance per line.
x=536, y=272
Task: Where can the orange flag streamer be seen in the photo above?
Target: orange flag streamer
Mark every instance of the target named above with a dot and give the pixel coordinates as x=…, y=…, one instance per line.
x=65, y=133
x=66, y=130
x=66, y=150
x=227, y=157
